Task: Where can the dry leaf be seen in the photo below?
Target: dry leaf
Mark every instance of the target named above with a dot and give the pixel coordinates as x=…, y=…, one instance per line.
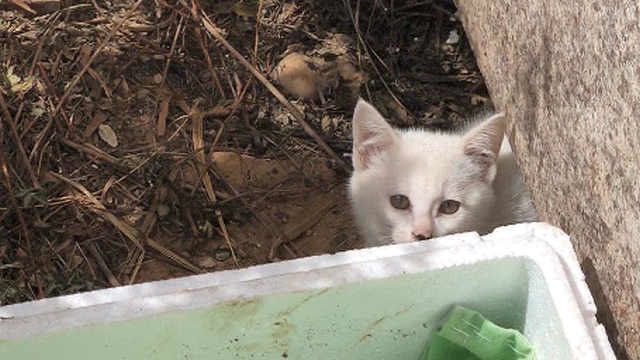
x=18, y=85
x=161, y=125
x=98, y=119
x=23, y=6
x=326, y=123
x=99, y=79
x=108, y=135
x=84, y=54
x=36, y=7
x=123, y=86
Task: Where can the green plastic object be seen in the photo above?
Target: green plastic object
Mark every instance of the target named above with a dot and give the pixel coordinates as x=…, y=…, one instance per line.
x=467, y=335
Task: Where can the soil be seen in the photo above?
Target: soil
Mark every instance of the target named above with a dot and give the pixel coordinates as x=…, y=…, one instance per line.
x=135, y=145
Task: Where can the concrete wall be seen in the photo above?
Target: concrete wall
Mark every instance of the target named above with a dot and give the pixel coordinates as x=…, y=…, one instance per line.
x=568, y=76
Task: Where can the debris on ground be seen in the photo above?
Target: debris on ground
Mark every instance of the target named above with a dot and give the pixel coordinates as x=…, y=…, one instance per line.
x=147, y=140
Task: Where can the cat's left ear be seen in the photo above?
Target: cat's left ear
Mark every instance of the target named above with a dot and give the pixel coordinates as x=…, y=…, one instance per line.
x=372, y=135
x=483, y=143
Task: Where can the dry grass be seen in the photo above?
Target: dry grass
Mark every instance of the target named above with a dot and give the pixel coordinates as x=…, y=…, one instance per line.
x=213, y=168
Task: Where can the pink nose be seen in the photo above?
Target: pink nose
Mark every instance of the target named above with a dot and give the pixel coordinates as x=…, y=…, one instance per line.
x=422, y=229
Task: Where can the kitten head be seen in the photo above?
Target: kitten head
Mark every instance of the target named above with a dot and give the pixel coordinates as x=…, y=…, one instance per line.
x=414, y=184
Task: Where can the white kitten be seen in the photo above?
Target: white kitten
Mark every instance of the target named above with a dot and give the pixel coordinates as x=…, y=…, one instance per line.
x=416, y=184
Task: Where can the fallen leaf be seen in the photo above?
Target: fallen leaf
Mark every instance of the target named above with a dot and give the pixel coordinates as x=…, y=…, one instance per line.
x=36, y=7
x=85, y=54
x=108, y=135
x=23, y=6
x=161, y=126
x=99, y=79
x=98, y=119
x=123, y=86
x=18, y=85
x=326, y=123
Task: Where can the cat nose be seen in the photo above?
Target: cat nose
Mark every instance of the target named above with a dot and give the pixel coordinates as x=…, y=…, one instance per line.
x=419, y=236
x=422, y=228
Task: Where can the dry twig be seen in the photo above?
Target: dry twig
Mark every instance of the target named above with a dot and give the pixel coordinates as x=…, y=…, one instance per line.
x=198, y=145
x=103, y=265
x=255, y=44
x=16, y=138
x=223, y=227
x=127, y=230
x=12, y=198
x=104, y=43
x=212, y=70
x=171, y=51
x=354, y=20
x=299, y=116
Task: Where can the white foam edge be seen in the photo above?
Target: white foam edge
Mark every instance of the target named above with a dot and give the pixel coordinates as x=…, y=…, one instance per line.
x=548, y=247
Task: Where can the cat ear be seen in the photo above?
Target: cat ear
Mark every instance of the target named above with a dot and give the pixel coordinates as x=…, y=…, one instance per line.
x=371, y=134
x=483, y=143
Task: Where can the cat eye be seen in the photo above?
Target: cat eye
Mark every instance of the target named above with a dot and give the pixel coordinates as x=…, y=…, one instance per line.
x=449, y=207
x=399, y=201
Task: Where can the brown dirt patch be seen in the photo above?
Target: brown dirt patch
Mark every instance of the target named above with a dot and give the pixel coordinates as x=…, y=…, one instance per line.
x=135, y=146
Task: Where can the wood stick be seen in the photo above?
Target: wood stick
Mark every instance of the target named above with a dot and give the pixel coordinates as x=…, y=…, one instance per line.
x=16, y=139
x=103, y=265
x=299, y=116
x=104, y=43
x=223, y=227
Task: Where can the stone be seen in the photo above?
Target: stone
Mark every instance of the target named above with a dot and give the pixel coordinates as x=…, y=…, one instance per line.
x=567, y=75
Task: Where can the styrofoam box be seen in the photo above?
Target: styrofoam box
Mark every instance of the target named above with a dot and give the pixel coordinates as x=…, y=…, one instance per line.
x=376, y=303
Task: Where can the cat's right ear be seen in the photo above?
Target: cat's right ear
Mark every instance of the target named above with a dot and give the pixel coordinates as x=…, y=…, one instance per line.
x=482, y=144
x=371, y=134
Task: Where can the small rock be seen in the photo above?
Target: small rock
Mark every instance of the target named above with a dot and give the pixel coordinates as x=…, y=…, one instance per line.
x=295, y=75
x=107, y=134
x=453, y=37
x=222, y=254
x=206, y=262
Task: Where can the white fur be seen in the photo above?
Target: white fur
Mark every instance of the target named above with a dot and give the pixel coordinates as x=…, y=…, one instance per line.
x=430, y=167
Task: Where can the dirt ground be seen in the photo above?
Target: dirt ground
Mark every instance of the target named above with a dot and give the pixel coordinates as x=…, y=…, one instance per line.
x=148, y=140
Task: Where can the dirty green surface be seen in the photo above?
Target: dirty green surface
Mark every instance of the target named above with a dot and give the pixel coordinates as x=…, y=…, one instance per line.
x=381, y=319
